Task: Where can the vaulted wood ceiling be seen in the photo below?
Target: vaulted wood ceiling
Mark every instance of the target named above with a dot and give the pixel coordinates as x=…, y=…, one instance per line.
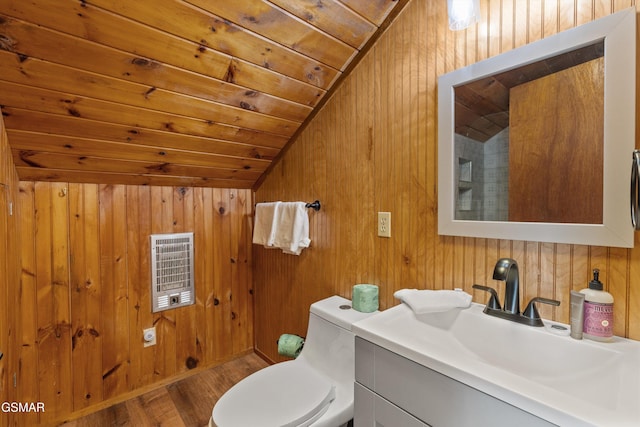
x=170, y=92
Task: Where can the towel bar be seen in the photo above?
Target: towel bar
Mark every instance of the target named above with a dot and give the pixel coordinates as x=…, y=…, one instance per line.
x=315, y=205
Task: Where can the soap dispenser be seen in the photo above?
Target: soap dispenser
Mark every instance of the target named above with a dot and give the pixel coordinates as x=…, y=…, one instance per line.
x=598, y=311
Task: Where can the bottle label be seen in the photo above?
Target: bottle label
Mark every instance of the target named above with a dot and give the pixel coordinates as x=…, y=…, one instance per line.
x=598, y=319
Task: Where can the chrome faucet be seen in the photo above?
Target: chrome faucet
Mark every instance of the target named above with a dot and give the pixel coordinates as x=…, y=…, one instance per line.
x=506, y=269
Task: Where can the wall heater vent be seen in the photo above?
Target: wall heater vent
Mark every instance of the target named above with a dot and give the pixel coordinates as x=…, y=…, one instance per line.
x=172, y=270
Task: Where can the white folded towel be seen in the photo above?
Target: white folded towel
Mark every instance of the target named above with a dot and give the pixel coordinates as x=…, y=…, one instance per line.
x=263, y=228
x=426, y=301
x=291, y=227
x=283, y=225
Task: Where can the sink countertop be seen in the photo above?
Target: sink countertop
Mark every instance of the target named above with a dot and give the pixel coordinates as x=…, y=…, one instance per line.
x=610, y=398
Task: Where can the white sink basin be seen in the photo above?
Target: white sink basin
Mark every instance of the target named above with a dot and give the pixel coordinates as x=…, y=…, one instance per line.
x=562, y=380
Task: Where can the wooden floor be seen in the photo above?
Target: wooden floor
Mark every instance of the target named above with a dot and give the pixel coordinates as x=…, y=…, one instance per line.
x=187, y=402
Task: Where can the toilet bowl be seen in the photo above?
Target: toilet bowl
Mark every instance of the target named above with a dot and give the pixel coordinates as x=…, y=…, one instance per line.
x=316, y=389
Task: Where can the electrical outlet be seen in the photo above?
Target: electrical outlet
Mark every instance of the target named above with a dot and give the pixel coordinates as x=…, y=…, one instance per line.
x=384, y=224
x=149, y=337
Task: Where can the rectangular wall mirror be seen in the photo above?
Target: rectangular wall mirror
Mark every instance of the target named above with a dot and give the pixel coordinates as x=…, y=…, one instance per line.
x=536, y=143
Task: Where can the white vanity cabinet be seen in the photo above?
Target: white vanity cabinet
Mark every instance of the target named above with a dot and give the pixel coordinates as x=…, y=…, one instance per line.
x=392, y=391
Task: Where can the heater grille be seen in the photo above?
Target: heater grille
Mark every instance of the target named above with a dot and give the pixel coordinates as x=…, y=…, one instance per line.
x=172, y=270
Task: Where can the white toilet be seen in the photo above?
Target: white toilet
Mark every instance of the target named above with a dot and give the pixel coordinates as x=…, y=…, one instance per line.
x=316, y=389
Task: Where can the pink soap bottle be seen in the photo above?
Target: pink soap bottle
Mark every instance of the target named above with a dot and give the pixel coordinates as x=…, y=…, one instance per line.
x=598, y=311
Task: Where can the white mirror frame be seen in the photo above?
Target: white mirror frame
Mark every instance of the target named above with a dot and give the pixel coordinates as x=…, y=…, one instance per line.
x=619, y=33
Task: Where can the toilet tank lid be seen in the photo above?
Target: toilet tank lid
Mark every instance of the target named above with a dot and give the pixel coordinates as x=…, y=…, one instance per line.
x=338, y=311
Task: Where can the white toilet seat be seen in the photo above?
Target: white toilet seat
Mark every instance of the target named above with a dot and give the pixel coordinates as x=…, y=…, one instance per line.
x=287, y=394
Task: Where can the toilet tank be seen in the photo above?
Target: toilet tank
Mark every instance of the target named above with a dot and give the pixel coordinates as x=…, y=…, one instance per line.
x=330, y=345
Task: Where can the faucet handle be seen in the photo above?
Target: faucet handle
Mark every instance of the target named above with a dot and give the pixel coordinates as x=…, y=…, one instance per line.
x=531, y=311
x=493, y=303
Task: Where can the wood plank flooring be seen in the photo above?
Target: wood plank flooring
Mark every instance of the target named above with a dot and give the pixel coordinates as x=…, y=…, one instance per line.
x=187, y=402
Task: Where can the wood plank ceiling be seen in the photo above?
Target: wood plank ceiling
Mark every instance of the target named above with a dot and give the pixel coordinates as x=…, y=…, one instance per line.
x=170, y=92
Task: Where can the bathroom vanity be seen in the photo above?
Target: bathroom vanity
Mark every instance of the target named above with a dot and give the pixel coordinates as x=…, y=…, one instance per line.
x=465, y=368
x=392, y=390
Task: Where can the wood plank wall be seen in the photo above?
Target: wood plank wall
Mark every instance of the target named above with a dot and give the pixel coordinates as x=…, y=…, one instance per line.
x=373, y=148
x=85, y=290
x=9, y=271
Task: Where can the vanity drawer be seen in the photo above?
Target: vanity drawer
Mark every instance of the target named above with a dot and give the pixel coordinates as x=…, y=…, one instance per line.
x=430, y=396
x=372, y=410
